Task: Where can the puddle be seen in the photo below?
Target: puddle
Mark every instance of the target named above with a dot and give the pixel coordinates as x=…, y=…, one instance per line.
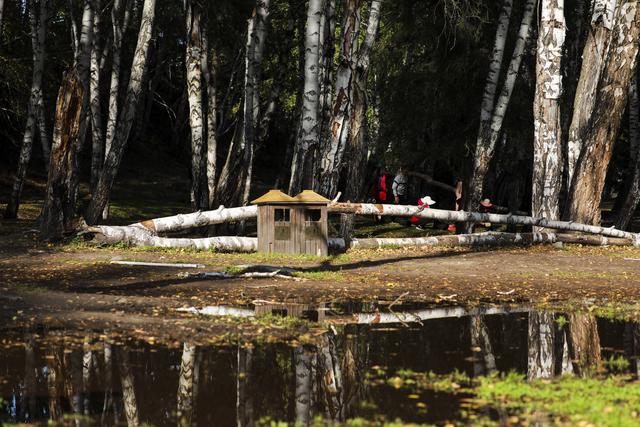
x=360, y=367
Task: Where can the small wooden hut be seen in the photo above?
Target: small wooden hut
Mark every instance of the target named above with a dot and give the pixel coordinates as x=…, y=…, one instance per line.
x=292, y=225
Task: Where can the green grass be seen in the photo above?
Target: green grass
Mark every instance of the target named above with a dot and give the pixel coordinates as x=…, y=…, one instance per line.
x=614, y=401
x=333, y=276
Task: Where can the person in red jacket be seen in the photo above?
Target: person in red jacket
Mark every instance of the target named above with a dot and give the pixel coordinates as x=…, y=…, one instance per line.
x=423, y=202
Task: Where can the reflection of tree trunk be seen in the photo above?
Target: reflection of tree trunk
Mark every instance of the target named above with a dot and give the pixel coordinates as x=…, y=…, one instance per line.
x=55, y=382
x=128, y=389
x=331, y=373
x=73, y=380
x=244, y=401
x=541, y=362
x=483, y=360
x=186, y=385
x=108, y=382
x=632, y=345
x=87, y=367
x=28, y=403
x=351, y=381
x=302, y=362
x=584, y=343
x=562, y=358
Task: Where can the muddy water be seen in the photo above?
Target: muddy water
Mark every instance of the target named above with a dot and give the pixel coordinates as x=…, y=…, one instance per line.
x=350, y=371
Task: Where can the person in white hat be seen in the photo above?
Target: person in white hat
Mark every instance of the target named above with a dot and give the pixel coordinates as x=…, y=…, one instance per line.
x=423, y=202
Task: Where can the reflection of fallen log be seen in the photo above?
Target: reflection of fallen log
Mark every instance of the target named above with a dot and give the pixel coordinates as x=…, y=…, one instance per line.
x=462, y=216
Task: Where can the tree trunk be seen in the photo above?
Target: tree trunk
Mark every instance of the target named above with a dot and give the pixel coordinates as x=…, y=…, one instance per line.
x=244, y=400
x=193, y=62
x=186, y=401
x=118, y=25
x=584, y=343
x=83, y=63
x=55, y=381
x=358, y=135
x=338, y=130
x=38, y=23
x=87, y=368
x=209, y=73
x=602, y=132
x=128, y=389
x=632, y=346
x=59, y=209
x=547, y=145
x=593, y=62
x=632, y=198
x=302, y=363
x=331, y=375
x=94, y=99
x=303, y=168
x=255, y=53
x=126, y=116
x=541, y=345
x=29, y=395
x=1, y=11
x=486, y=146
x=484, y=362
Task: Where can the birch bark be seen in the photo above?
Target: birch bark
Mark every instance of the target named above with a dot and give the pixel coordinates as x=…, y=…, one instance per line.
x=484, y=151
x=193, y=62
x=94, y=98
x=540, y=344
x=244, y=400
x=83, y=62
x=209, y=73
x=484, y=362
x=338, y=129
x=186, y=380
x=303, y=168
x=128, y=389
x=547, y=145
x=588, y=181
x=632, y=197
x=126, y=116
x=593, y=62
x=38, y=23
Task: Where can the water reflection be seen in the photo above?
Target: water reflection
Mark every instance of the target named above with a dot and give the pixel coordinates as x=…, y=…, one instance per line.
x=42, y=378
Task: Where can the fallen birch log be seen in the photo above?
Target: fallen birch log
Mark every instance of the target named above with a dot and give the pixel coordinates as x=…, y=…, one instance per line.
x=592, y=240
x=479, y=239
x=462, y=216
x=158, y=264
x=198, y=219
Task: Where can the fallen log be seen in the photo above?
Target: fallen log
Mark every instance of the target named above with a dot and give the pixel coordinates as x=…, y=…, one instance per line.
x=462, y=216
x=592, y=240
x=198, y=219
x=135, y=235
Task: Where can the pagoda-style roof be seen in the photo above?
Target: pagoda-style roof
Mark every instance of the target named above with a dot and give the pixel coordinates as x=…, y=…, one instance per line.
x=311, y=197
x=274, y=196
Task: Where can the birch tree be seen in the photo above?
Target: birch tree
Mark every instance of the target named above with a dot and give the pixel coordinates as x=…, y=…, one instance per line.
x=193, y=63
x=547, y=146
x=485, y=146
x=540, y=345
x=338, y=129
x=632, y=198
x=209, y=73
x=38, y=16
x=107, y=176
x=186, y=385
x=97, y=153
x=244, y=401
x=303, y=167
x=128, y=388
x=484, y=362
x=302, y=363
x=588, y=181
x=593, y=61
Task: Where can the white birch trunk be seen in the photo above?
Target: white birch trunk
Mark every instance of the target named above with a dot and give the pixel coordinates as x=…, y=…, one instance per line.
x=38, y=23
x=547, y=145
x=107, y=176
x=589, y=177
x=83, y=63
x=94, y=98
x=306, y=146
x=244, y=399
x=484, y=362
x=209, y=73
x=186, y=380
x=128, y=390
x=632, y=198
x=118, y=27
x=255, y=53
x=593, y=61
x=485, y=150
x=333, y=149
x=332, y=386
x=1, y=12
x=193, y=62
x=462, y=216
x=540, y=345
x=302, y=363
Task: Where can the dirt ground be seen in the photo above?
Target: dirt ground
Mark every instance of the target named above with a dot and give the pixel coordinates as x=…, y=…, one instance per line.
x=75, y=284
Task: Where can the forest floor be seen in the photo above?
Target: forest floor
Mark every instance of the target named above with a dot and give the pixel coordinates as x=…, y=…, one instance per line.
x=75, y=284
